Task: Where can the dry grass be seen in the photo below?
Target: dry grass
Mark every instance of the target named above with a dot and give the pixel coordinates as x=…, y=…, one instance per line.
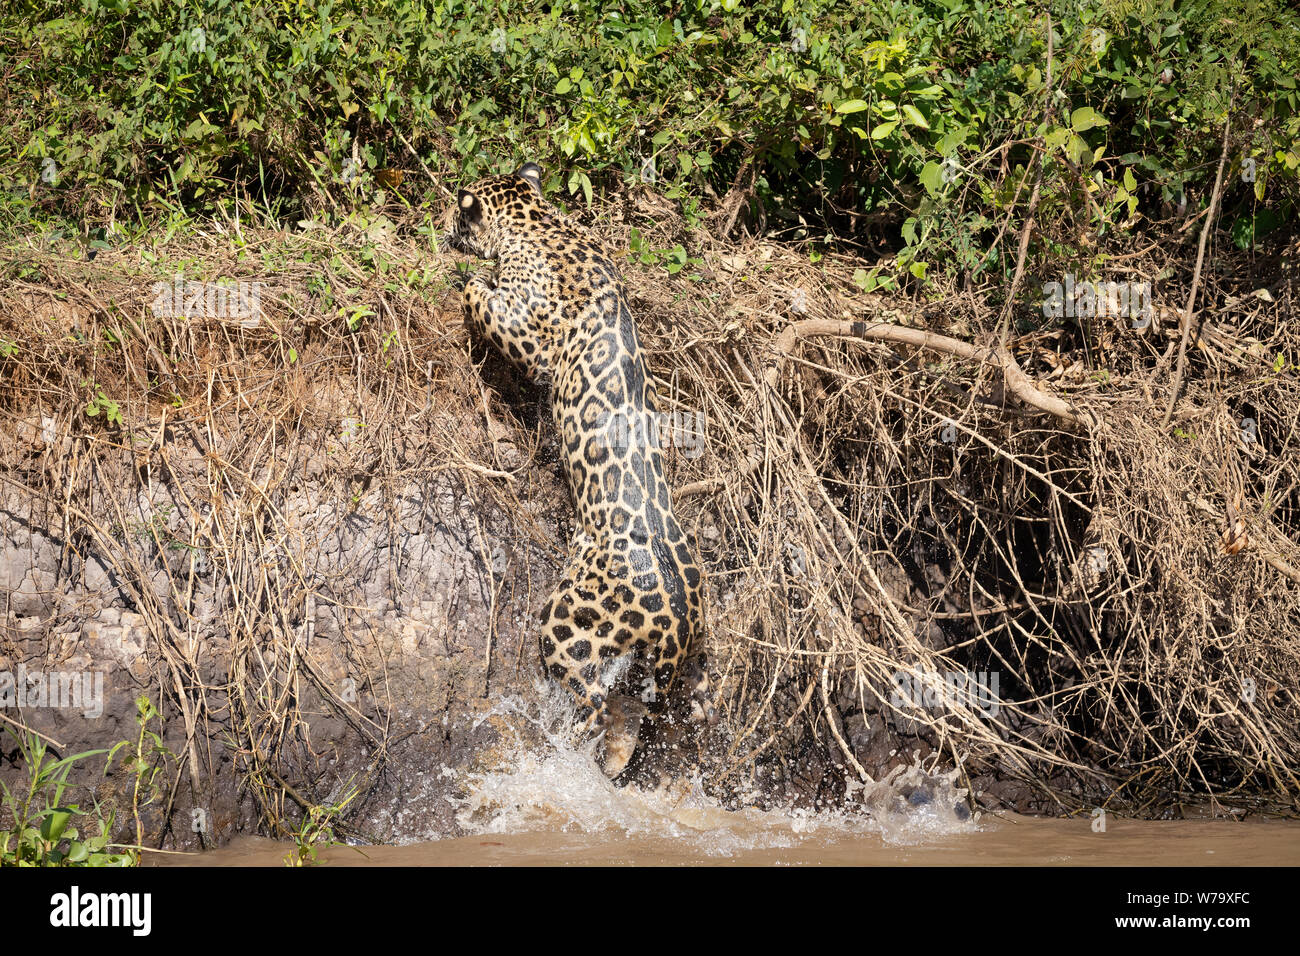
x=233, y=421
x=877, y=509
x=865, y=508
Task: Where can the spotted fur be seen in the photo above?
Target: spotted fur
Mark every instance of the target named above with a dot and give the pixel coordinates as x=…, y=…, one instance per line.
x=632, y=590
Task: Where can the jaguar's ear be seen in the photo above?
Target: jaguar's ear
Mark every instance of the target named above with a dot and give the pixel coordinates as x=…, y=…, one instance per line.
x=470, y=207
x=531, y=173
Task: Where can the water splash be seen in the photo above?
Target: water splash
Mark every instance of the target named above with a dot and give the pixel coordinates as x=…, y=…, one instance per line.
x=549, y=783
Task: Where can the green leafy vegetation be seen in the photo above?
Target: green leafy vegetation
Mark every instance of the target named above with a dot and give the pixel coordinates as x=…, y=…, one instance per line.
x=45, y=830
x=921, y=122
x=316, y=830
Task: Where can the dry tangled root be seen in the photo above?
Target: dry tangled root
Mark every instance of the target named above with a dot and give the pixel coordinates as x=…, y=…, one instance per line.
x=924, y=541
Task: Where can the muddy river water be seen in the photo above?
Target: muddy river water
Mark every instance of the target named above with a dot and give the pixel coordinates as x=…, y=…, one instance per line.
x=1010, y=841
x=553, y=806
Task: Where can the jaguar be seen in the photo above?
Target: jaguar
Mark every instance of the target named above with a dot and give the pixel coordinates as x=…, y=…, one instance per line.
x=628, y=610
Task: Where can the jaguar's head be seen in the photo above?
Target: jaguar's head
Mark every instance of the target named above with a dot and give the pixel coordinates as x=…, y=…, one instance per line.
x=487, y=211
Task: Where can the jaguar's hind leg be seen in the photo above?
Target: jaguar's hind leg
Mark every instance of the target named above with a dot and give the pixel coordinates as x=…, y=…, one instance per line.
x=571, y=660
x=695, y=675
x=585, y=642
x=622, y=732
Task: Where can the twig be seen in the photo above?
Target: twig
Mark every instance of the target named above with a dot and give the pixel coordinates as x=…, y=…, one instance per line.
x=21, y=726
x=1196, y=275
x=428, y=172
x=1020, y=384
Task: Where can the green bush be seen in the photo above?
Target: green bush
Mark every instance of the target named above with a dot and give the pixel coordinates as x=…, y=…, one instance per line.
x=921, y=116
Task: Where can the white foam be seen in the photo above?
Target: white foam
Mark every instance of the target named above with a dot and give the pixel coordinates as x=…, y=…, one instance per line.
x=556, y=785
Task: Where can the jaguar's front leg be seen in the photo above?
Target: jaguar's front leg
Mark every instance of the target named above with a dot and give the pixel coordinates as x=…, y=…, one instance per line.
x=482, y=312
x=501, y=316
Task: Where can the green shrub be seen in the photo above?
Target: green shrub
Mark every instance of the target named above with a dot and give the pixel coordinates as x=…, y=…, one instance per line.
x=922, y=117
x=43, y=830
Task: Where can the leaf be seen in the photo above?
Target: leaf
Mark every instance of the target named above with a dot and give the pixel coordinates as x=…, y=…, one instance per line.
x=952, y=140
x=851, y=106
x=932, y=177
x=914, y=116
x=884, y=129
x=1079, y=151
x=563, y=86
x=1085, y=118
x=56, y=820
x=1057, y=137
